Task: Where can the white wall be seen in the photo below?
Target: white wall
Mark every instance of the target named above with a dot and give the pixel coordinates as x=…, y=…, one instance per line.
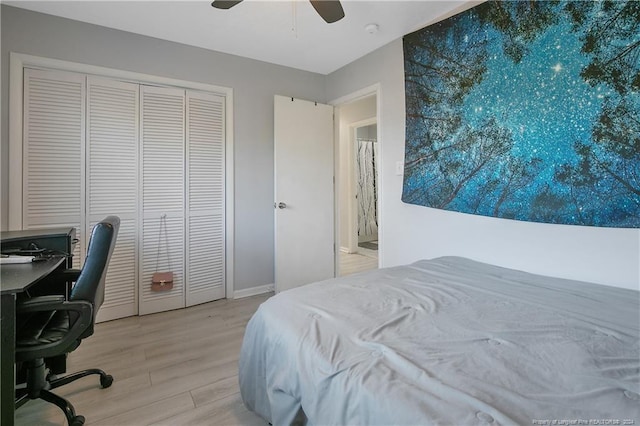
x=408, y=232
x=367, y=132
x=254, y=84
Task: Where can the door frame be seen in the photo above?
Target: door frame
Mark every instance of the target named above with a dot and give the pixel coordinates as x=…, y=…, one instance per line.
x=375, y=90
x=17, y=63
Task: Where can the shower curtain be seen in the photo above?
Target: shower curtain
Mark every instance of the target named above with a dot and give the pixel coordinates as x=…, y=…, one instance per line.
x=366, y=190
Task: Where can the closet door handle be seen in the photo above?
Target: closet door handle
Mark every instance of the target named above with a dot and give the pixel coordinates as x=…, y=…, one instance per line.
x=282, y=205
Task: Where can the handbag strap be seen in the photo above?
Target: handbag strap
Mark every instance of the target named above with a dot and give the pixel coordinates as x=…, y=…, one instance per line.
x=163, y=224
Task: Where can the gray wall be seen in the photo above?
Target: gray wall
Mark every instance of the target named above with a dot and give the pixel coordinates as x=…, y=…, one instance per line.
x=407, y=232
x=254, y=84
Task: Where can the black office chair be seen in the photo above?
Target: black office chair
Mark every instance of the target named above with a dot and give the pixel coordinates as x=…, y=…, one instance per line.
x=50, y=326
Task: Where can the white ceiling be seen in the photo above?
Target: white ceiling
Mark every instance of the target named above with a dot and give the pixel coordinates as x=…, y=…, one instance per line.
x=283, y=32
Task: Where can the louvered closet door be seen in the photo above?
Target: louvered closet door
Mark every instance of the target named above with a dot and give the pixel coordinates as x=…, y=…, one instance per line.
x=163, y=193
x=205, y=277
x=112, y=184
x=53, y=152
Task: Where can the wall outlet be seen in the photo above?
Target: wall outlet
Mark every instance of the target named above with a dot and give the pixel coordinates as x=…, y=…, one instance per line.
x=399, y=168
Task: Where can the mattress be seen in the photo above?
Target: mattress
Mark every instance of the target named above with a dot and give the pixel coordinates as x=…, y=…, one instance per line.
x=446, y=341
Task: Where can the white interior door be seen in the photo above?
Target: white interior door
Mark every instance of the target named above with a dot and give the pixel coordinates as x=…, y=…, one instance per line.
x=304, y=192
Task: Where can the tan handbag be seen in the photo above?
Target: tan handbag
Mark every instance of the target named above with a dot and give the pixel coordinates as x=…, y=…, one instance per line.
x=162, y=281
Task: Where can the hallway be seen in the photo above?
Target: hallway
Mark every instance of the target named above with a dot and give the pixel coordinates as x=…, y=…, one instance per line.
x=350, y=263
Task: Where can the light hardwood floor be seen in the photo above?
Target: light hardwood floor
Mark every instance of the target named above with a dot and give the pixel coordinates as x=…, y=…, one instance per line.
x=172, y=368
x=351, y=263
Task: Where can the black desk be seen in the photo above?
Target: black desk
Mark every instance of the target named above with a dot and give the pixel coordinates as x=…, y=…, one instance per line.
x=15, y=279
x=55, y=240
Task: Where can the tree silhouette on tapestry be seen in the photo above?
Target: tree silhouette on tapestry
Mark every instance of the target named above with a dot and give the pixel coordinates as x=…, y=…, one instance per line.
x=527, y=111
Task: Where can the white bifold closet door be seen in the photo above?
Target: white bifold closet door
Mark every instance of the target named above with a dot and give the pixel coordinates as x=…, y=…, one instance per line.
x=205, y=245
x=112, y=184
x=182, y=150
x=79, y=165
x=95, y=146
x=162, y=136
x=53, y=153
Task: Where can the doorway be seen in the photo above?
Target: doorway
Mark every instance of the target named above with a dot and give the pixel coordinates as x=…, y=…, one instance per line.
x=366, y=180
x=357, y=183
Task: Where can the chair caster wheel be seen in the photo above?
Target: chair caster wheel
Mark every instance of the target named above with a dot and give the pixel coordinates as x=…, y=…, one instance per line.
x=77, y=421
x=106, y=380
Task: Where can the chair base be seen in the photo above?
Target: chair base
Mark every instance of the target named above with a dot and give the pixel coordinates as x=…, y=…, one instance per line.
x=105, y=379
x=63, y=404
x=36, y=390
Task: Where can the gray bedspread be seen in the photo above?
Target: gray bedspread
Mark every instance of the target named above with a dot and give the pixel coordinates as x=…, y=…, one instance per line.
x=446, y=341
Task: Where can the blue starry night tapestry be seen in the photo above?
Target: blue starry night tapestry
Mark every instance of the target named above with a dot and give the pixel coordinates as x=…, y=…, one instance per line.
x=527, y=110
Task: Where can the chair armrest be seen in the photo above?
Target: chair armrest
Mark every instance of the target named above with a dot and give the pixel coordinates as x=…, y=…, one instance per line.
x=54, y=303
x=39, y=303
x=80, y=322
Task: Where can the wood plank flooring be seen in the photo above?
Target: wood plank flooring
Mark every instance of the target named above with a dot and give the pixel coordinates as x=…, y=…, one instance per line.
x=351, y=263
x=172, y=368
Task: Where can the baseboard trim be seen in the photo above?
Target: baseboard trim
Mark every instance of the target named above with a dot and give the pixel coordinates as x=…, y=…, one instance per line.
x=253, y=291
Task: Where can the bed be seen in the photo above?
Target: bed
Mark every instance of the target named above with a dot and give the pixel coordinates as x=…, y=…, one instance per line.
x=446, y=341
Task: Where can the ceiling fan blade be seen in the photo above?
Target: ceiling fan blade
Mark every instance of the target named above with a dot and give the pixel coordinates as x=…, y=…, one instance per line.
x=224, y=4
x=330, y=10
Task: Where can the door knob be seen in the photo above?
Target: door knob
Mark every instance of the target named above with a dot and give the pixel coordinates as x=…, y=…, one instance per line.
x=282, y=205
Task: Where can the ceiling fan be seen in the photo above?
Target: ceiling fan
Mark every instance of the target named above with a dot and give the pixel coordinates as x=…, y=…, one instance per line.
x=330, y=10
